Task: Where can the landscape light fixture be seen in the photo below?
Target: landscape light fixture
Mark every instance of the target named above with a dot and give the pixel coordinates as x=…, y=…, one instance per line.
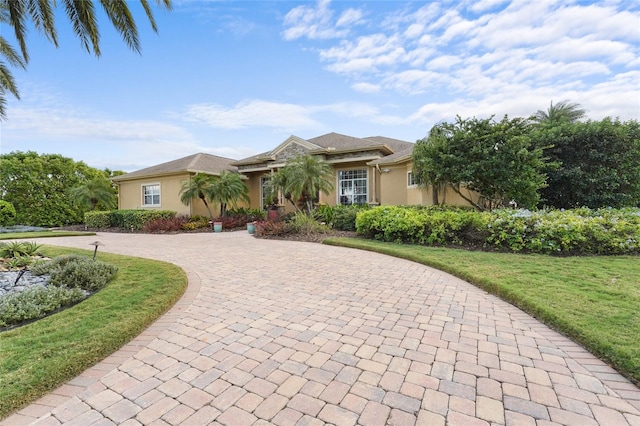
x=95, y=244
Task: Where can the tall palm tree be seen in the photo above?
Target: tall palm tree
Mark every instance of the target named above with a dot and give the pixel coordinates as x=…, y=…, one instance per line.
x=228, y=189
x=200, y=186
x=94, y=192
x=307, y=176
x=561, y=112
x=19, y=14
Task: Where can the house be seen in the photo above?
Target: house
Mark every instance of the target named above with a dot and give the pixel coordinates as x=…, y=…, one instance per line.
x=372, y=170
x=158, y=187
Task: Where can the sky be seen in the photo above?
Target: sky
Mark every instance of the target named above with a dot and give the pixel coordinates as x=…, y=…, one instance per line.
x=237, y=78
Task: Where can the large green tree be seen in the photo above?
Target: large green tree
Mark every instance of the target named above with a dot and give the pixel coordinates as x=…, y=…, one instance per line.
x=493, y=158
x=598, y=163
x=38, y=187
x=302, y=179
x=21, y=14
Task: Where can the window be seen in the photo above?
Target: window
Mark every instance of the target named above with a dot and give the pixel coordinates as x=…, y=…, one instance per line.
x=265, y=191
x=411, y=180
x=352, y=186
x=151, y=195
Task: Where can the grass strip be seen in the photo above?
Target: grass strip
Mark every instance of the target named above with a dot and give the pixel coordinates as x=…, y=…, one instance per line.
x=38, y=357
x=593, y=300
x=42, y=234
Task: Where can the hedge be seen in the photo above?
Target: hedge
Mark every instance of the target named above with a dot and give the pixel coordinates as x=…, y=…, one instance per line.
x=578, y=231
x=125, y=219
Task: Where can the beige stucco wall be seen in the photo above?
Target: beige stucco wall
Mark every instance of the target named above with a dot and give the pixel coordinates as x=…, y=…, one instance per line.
x=394, y=189
x=131, y=197
x=393, y=185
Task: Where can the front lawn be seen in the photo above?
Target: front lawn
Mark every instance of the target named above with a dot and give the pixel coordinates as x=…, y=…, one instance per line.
x=42, y=234
x=595, y=300
x=38, y=357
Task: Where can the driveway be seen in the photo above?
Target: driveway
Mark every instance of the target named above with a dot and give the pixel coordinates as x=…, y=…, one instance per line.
x=288, y=333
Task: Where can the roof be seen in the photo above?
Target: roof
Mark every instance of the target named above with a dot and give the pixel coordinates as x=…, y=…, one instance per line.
x=334, y=143
x=196, y=163
x=395, y=158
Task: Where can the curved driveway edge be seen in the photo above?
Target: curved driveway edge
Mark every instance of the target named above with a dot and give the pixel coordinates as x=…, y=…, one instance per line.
x=286, y=333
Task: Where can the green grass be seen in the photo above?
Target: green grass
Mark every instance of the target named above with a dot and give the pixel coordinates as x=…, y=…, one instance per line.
x=42, y=234
x=594, y=300
x=40, y=356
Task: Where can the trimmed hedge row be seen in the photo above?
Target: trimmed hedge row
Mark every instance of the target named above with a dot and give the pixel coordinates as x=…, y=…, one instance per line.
x=126, y=219
x=578, y=231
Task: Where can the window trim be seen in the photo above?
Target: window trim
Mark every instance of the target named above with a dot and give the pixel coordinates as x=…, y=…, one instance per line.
x=410, y=178
x=142, y=191
x=338, y=187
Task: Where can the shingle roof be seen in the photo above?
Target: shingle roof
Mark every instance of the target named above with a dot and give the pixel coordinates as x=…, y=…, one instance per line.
x=396, y=157
x=196, y=163
x=395, y=144
x=338, y=142
x=341, y=142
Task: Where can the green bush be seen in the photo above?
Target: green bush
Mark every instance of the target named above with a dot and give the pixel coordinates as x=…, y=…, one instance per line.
x=302, y=223
x=97, y=219
x=342, y=218
x=579, y=231
x=137, y=218
x=251, y=215
x=19, y=249
x=75, y=271
x=36, y=302
x=7, y=213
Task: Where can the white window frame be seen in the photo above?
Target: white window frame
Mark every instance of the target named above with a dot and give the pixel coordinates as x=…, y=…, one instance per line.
x=352, y=195
x=152, y=195
x=411, y=181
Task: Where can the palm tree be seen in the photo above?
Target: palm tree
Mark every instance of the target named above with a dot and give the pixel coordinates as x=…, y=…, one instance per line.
x=200, y=186
x=94, y=192
x=303, y=178
x=279, y=182
x=228, y=189
x=561, y=112
x=21, y=14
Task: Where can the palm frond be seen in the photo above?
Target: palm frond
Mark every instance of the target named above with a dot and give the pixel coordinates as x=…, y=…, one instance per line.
x=82, y=15
x=122, y=20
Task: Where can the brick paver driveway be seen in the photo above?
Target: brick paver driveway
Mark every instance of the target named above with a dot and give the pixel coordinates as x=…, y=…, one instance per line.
x=274, y=332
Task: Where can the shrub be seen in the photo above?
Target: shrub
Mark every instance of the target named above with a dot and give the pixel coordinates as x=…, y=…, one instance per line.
x=97, y=219
x=272, y=228
x=195, y=222
x=302, y=223
x=580, y=231
x=136, y=219
x=36, y=302
x=7, y=213
x=342, y=218
x=75, y=271
x=251, y=215
x=171, y=224
x=19, y=249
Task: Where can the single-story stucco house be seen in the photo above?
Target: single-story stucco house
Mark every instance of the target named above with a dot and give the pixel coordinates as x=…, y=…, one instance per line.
x=373, y=170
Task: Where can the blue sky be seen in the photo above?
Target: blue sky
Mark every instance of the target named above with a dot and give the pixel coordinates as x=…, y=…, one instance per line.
x=237, y=78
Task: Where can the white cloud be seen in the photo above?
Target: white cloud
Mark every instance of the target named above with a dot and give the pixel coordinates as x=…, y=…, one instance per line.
x=496, y=51
x=364, y=87
x=349, y=16
x=252, y=113
x=316, y=22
